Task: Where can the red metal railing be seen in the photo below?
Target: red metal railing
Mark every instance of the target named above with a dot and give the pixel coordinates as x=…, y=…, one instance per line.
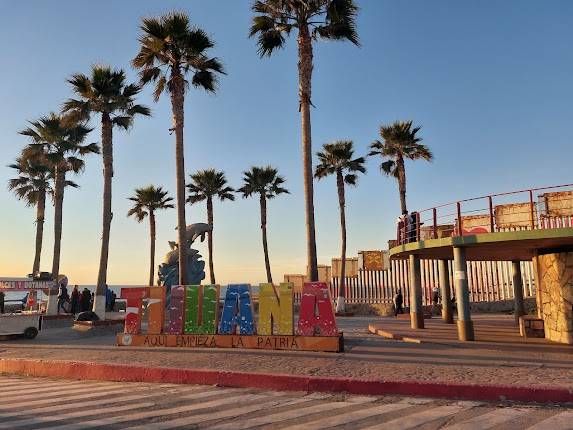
x=532, y=209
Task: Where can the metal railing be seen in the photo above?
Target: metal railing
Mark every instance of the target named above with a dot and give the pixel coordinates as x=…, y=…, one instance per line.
x=532, y=209
x=488, y=281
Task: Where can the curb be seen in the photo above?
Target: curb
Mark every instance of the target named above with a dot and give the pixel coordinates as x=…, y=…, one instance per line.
x=393, y=336
x=281, y=382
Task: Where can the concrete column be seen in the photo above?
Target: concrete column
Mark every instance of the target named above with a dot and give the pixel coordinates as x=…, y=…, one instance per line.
x=537, y=283
x=445, y=291
x=52, y=305
x=465, y=325
x=519, y=308
x=416, y=310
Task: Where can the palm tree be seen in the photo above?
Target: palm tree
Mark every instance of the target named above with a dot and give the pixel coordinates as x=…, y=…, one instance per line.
x=336, y=159
x=32, y=185
x=314, y=19
x=266, y=182
x=148, y=200
x=58, y=141
x=400, y=142
x=105, y=92
x=170, y=47
x=205, y=185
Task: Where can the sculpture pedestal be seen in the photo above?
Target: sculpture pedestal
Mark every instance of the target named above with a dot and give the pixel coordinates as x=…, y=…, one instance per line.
x=290, y=343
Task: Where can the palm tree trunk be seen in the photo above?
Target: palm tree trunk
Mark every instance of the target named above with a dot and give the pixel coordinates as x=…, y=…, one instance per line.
x=40, y=214
x=402, y=185
x=304, y=91
x=210, y=239
x=177, y=104
x=107, y=156
x=340, y=304
x=60, y=181
x=264, y=232
x=152, y=248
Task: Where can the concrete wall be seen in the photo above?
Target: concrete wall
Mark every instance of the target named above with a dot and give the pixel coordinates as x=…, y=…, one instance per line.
x=351, y=266
x=515, y=215
x=558, y=204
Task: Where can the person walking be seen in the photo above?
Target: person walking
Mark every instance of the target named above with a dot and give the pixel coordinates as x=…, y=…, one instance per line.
x=435, y=300
x=63, y=298
x=75, y=301
x=398, y=303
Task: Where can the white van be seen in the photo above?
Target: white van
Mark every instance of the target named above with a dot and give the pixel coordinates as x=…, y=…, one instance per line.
x=20, y=324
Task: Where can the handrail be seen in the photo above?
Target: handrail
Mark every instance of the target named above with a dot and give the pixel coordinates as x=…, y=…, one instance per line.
x=496, y=195
x=530, y=218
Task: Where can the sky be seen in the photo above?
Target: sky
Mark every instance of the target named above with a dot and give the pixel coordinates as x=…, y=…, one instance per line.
x=490, y=83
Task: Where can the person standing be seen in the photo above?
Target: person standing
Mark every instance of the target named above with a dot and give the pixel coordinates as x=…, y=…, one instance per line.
x=63, y=298
x=75, y=300
x=398, y=303
x=2, y=296
x=112, y=303
x=85, y=300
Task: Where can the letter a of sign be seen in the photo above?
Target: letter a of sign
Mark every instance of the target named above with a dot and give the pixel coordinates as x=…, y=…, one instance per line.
x=237, y=310
x=201, y=306
x=315, y=295
x=277, y=309
x=176, y=310
x=133, y=308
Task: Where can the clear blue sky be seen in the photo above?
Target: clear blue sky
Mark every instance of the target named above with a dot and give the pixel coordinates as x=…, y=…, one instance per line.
x=489, y=81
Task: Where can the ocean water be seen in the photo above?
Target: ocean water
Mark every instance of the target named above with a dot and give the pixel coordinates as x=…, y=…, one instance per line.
x=13, y=296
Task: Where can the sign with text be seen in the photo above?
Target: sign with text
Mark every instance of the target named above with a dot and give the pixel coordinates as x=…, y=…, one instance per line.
x=195, y=319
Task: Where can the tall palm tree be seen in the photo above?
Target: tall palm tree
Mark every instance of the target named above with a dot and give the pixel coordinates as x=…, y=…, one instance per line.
x=336, y=159
x=58, y=141
x=146, y=201
x=400, y=142
x=170, y=48
x=206, y=185
x=314, y=19
x=106, y=93
x=32, y=185
x=266, y=182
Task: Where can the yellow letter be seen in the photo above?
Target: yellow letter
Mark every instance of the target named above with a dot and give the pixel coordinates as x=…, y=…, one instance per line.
x=275, y=308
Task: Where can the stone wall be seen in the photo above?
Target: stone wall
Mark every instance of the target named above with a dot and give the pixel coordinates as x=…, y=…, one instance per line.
x=556, y=275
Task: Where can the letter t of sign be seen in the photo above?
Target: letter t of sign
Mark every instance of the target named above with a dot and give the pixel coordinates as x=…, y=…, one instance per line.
x=133, y=308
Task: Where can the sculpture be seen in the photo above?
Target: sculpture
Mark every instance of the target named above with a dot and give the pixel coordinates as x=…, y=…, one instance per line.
x=169, y=270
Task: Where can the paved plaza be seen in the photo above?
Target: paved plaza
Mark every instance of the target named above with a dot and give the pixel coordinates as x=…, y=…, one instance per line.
x=367, y=356
x=32, y=403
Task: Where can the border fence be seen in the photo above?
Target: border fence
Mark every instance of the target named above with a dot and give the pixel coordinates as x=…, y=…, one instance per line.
x=488, y=281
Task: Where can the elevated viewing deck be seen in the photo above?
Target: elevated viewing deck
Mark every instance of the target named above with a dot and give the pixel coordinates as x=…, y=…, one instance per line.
x=499, y=246
x=533, y=225
x=522, y=225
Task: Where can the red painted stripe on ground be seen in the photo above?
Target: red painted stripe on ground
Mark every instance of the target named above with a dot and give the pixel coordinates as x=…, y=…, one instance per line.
x=281, y=382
